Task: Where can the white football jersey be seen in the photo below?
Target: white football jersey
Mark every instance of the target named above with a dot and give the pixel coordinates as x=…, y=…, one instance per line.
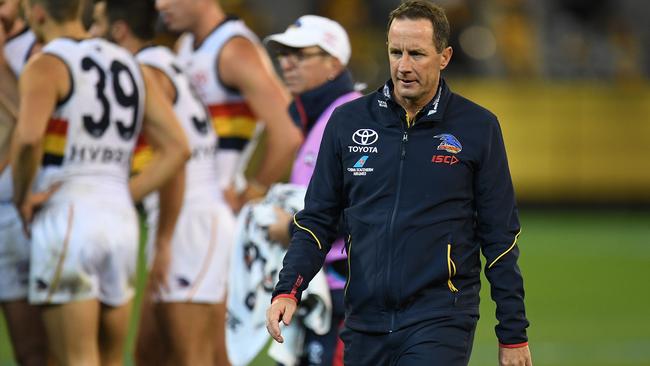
x=201, y=175
x=92, y=134
x=18, y=48
x=232, y=118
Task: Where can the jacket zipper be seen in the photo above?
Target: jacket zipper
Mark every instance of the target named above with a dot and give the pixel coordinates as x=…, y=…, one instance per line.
x=405, y=138
x=347, y=283
x=451, y=268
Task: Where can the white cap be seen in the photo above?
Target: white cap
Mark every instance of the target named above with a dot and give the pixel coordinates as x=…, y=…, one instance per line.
x=314, y=30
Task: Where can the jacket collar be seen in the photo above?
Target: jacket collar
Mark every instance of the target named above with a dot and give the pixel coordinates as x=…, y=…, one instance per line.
x=307, y=107
x=434, y=111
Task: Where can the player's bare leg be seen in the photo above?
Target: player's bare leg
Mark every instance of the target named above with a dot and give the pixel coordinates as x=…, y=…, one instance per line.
x=113, y=331
x=220, y=353
x=152, y=344
x=26, y=332
x=72, y=331
x=191, y=329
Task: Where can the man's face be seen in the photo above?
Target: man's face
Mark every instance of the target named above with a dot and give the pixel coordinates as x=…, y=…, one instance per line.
x=415, y=63
x=100, y=26
x=9, y=13
x=178, y=15
x=304, y=69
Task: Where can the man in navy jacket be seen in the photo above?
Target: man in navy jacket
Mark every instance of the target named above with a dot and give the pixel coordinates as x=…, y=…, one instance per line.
x=420, y=177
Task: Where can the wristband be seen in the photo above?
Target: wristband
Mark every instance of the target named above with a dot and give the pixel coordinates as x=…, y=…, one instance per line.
x=284, y=296
x=516, y=345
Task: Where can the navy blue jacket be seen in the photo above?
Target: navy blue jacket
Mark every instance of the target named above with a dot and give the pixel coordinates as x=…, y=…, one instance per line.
x=418, y=205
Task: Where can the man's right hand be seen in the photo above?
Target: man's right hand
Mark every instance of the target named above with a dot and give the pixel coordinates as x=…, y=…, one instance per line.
x=281, y=309
x=515, y=356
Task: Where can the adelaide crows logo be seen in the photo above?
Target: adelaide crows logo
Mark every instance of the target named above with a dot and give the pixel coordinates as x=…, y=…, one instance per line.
x=449, y=143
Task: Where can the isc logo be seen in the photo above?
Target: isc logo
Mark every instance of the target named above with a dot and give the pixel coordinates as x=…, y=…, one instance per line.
x=444, y=159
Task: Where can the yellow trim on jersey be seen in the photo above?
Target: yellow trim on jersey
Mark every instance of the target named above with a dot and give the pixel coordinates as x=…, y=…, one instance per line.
x=54, y=144
x=451, y=268
x=347, y=283
x=240, y=126
x=408, y=120
x=506, y=252
x=141, y=159
x=307, y=230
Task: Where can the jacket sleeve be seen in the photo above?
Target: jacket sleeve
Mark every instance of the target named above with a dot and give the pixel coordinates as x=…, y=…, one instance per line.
x=498, y=230
x=316, y=226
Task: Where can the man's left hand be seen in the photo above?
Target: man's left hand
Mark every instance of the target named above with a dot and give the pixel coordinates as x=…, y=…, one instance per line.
x=515, y=356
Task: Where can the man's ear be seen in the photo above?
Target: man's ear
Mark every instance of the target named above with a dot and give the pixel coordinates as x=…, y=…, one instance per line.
x=335, y=67
x=446, y=57
x=118, y=31
x=38, y=13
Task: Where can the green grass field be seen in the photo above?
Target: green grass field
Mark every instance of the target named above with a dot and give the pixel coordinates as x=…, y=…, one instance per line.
x=588, y=291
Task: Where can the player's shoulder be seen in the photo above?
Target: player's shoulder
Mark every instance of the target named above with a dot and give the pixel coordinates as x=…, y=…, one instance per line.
x=238, y=47
x=242, y=59
x=234, y=35
x=155, y=55
x=233, y=26
x=44, y=67
x=46, y=73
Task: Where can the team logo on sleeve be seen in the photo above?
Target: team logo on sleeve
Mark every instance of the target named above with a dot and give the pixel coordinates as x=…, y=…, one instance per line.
x=449, y=143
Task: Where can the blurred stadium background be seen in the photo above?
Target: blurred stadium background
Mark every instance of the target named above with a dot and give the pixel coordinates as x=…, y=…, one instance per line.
x=569, y=80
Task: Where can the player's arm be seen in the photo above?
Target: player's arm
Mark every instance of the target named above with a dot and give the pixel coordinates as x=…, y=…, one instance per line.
x=171, y=193
x=6, y=124
x=44, y=81
x=165, y=135
x=170, y=197
x=246, y=67
x=170, y=203
x=7, y=121
x=498, y=230
x=8, y=104
x=8, y=94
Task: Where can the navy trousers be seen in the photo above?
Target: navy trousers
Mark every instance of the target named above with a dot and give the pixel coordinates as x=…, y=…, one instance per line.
x=444, y=341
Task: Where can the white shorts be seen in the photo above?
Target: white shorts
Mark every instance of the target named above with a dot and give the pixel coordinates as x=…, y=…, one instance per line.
x=84, y=251
x=200, y=252
x=14, y=255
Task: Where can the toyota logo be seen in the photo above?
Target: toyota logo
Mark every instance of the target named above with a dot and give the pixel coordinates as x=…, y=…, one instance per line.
x=365, y=136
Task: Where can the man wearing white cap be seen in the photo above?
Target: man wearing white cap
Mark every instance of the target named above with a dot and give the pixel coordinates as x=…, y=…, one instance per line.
x=313, y=54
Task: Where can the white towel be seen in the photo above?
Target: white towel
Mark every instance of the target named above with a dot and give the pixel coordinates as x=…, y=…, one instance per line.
x=318, y=319
x=254, y=268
